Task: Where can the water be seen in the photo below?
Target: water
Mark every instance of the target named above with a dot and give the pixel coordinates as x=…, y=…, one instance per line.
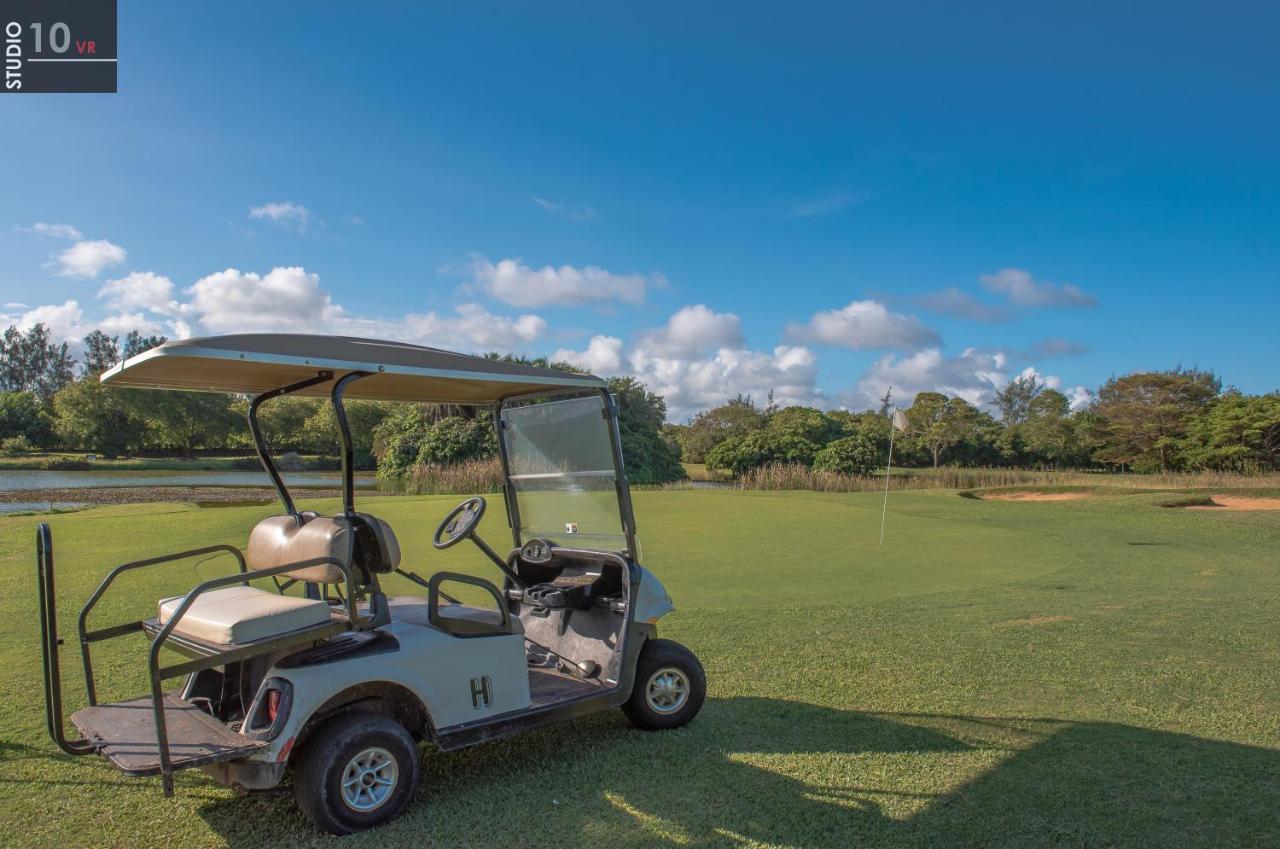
x=19, y=480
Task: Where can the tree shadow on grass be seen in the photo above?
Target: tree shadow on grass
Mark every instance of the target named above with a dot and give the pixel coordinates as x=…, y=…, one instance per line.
x=754, y=771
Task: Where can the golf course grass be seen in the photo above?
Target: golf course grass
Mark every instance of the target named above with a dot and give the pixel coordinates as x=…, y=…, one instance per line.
x=1076, y=673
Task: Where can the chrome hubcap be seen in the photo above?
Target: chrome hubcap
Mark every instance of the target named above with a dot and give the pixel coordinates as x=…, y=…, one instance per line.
x=369, y=779
x=667, y=690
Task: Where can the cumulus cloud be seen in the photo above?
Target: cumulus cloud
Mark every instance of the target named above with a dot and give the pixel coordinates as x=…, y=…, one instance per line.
x=602, y=356
x=65, y=321
x=284, y=213
x=1079, y=397
x=693, y=330
x=53, y=231
x=85, y=259
x=692, y=384
x=1021, y=289
x=952, y=302
x=571, y=213
x=974, y=375
x=513, y=282
x=139, y=289
x=283, y=300
x=865, y=324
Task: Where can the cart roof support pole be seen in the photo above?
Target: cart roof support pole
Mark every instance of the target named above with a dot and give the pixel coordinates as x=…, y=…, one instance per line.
x=264, y=453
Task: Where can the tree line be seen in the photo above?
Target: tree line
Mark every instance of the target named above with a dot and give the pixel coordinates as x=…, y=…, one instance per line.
x=1144, y=421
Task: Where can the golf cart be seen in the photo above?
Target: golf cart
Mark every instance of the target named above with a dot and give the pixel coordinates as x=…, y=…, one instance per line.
x=320, y=669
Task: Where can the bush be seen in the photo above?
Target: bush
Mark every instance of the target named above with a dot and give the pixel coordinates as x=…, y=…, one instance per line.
x=16, y=445
x=454, y=439
x=739, y=454
x=66, y=464
x=853, y=455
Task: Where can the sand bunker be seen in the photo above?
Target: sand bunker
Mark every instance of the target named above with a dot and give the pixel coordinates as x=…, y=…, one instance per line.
x=1238, y=502
x=1034, y=496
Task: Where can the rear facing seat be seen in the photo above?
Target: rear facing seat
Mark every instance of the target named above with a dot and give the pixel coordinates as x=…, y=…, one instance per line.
x=244, y=614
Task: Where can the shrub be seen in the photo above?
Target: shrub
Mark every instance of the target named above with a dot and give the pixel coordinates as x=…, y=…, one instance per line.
x=853, y=455
x=739, y=454
x=66, y=464
x=454, y=439
x=16, y=445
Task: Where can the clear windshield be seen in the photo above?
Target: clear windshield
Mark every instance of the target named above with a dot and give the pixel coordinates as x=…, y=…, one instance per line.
x=562, y=472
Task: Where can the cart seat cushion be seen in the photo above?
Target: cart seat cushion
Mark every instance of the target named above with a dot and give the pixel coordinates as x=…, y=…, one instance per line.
x=237, y=615
x=462, y=618
x=281, y=540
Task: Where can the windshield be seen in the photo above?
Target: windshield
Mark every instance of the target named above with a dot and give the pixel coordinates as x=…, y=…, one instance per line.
x=562, y=472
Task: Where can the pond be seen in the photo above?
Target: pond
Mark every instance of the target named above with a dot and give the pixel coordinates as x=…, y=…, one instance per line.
x=31, y=479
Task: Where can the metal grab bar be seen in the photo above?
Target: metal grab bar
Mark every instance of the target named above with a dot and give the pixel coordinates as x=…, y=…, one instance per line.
x=86, y=637
x=49, y=643
x=158, y=675
x=433, y=598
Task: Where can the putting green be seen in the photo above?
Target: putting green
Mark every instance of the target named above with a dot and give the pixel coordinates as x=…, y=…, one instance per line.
x=1072, y=673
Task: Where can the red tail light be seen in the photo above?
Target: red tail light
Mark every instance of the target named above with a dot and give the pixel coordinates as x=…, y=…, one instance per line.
x=273, y=706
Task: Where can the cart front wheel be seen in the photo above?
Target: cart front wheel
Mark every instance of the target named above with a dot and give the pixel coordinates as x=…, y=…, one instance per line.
x=358, y=771
x=670, y=687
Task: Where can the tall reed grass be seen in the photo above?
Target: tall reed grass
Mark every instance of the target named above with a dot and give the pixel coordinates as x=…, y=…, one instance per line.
x=466, y=478
x=788, y=477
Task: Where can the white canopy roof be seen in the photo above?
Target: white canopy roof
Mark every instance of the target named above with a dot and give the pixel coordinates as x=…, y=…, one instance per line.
x=254, y=363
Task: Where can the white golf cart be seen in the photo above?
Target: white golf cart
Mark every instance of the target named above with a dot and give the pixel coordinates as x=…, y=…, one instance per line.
x=326, y=673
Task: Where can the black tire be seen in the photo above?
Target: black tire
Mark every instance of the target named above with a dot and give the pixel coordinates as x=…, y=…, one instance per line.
x=655, y=657
x=318, y=772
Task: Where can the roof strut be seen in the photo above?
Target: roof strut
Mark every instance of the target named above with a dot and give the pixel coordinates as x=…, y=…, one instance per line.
x=263, y=453
x=344, y=427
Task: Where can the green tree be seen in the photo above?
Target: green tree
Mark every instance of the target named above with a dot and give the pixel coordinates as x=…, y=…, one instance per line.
x=398, y=438
x=1048, y=430
x=1238, y=431
x=939, y=422
x=803, y=423
x=1145, y=415
x=320, y=431
x=454, y=439
x=183, y=420
x=23, y=415
x=647, y=456
x=849, y=455
x=101, y=352
x=135, y=343
x=98, y=418
x=739, y=454
x=31, y=362
x=1014, y=401
x=711, y=427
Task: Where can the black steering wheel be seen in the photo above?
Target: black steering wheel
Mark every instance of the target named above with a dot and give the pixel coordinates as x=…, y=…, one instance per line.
x=460, y=523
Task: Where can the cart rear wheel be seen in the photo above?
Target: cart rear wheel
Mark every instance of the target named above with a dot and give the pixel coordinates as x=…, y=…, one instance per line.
x=358, y=771
x=669, y=689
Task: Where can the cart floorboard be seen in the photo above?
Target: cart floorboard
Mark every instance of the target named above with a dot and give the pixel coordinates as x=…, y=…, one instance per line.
x=125, y=734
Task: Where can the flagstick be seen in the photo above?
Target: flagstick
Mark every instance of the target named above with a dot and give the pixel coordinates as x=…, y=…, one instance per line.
x=887, y=470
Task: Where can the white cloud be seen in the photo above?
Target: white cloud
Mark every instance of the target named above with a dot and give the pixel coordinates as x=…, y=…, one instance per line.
x=693, y=330
x=1056, y=347
x=1021, y=289
x=283, y=300
x=53, y=231
x=65, y=321
x=951, y=301
x=140, y=289
x=572, y=213
x=513, y=282
x=284, y=213
x=974, y=375
x=86, y=259
x=1079, y=397
x=865, y=324
x=693, y=384
x=603, y=356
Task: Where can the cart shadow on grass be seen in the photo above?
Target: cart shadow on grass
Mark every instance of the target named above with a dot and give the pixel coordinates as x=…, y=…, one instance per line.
x=756, y=770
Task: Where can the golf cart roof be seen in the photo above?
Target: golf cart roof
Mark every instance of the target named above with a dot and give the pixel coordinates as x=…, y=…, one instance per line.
x=254, y=363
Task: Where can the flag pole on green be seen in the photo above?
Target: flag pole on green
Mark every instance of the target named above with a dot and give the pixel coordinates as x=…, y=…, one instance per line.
x=900, y=422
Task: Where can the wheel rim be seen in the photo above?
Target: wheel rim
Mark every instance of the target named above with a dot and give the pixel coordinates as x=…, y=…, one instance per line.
x=369, y=779
x=667, y=690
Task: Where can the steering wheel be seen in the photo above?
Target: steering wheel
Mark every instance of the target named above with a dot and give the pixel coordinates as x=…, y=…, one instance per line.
x=460, y=523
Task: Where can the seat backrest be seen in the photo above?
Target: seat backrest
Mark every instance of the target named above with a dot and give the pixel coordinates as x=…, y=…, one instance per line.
x=378, y=550
x=281, y=540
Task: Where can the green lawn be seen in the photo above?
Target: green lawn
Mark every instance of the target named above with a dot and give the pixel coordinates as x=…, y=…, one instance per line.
x=1078, y=673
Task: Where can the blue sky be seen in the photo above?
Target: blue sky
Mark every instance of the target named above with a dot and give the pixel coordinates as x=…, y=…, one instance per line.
x=818, y=200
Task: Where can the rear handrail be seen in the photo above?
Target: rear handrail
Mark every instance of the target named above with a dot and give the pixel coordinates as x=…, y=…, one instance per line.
x=87, y=637
x=49, y=644
x=158, y=674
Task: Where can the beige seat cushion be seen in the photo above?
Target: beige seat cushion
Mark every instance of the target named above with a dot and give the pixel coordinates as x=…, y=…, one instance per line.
x=238, y=615
x=280, y=540
x=469, y=619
